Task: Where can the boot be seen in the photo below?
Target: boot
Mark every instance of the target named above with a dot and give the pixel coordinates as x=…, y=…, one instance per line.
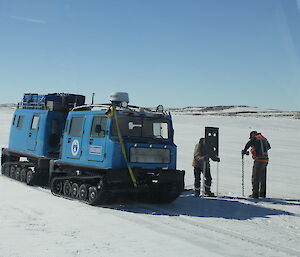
x=209, y=193
x=197, y=193
x=262, y=195
x=254, y=196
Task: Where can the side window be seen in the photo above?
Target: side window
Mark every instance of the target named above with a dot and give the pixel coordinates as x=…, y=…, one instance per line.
x=35, y=122
x=20, y=122
x=76, y=126
x=160, y=130
x=156, y=128
x=66, y=125
x=135, y=126
x=98, y=127
x=14, y=120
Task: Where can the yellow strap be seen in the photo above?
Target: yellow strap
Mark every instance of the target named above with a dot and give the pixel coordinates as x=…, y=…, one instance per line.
x=109, y=112
x=114, y=113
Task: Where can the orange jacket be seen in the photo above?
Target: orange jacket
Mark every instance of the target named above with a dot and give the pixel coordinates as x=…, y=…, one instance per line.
x=259, y=148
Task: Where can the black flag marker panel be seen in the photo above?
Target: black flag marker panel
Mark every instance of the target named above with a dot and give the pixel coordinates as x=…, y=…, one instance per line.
x=212, y=141
x=212, y=147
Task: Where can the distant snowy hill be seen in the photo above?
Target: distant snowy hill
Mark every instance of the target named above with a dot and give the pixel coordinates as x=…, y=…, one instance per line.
x=234, y=110
x=8, y=106
x=220, y=110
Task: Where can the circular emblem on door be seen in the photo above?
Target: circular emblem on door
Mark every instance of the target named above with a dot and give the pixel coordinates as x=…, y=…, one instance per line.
x=75, y=147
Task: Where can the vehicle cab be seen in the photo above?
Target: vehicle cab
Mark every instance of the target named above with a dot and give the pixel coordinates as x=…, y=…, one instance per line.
x=113, y=148
x=92, y=138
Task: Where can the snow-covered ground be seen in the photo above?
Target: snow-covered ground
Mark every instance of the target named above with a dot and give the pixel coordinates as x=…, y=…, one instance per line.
x=35, y=223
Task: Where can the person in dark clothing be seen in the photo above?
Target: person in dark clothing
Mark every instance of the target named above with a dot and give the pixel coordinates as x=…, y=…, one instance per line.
x=201, y=164
x=259, y=149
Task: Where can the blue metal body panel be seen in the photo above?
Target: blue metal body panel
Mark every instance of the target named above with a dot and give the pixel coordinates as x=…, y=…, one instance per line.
x=38, y=132
x=105, y=152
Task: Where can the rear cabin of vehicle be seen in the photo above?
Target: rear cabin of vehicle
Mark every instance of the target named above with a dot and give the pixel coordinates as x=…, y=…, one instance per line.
x=35, y=135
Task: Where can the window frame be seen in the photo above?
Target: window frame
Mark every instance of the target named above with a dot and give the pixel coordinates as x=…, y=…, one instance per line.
x=20, y=122
x=36, y=123
x=14, y=120
x=79, y=132
x=67, y=126
x=93, y=134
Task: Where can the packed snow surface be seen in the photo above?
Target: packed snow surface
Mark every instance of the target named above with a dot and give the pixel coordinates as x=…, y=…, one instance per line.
x=35, y=223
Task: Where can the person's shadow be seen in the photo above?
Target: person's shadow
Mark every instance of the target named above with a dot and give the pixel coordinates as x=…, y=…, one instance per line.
x=188, y=205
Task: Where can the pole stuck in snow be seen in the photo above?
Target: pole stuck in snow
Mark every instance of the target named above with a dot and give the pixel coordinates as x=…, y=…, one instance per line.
x=243, y=185
x=203, y=179
x=217, y=179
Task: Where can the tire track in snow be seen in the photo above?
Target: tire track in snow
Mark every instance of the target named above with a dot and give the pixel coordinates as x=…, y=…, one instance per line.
x=233, y=234
x=168, y=229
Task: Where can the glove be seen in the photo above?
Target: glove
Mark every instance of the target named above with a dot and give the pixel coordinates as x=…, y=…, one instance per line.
x=245, y=152
x=215, y=159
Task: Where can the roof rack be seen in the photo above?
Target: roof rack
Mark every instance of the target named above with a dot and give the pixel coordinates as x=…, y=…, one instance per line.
x=89, y=107
x=105, y=106
x=120, y=100
x=55, y=101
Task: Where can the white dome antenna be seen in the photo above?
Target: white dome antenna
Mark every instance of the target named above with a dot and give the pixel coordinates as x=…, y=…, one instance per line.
x=119, y=97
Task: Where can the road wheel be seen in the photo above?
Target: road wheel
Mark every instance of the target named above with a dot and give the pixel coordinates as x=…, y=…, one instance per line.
x=83, y=192
x=67, y=188
x=3, y=166
x=74, y=190
x=5, y=169
x=57, y=186
x=17, y=173
x=93, y=195
x=99, y=194
x=23, y=175
x=29, y=177
x=12, y=171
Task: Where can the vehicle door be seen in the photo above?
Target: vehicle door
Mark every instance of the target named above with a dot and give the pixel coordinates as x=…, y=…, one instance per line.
x=33, y=132
x=97, y=139
x=73, y=139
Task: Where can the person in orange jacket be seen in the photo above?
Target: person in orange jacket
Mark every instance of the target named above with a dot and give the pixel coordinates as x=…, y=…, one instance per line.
x=259, y=149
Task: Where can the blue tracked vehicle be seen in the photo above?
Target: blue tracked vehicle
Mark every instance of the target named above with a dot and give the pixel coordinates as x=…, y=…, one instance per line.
x=94, y=153
x=36, y=129
x=117, y=148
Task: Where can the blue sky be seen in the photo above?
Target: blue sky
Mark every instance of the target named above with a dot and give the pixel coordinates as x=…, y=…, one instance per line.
x=171, y=52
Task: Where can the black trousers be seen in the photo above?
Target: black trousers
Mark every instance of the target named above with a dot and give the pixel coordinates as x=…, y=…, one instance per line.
x=207, y=178
x=259, y=178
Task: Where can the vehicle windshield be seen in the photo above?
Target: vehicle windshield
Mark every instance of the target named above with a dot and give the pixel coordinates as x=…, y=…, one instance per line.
x=144, y=127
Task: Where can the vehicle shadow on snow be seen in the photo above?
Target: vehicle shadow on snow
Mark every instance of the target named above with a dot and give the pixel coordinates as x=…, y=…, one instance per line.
x=188, y=205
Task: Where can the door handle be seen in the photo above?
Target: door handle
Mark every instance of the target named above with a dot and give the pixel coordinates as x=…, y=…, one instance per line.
x=91, y=141
x=30, y=134
x=69, y=140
